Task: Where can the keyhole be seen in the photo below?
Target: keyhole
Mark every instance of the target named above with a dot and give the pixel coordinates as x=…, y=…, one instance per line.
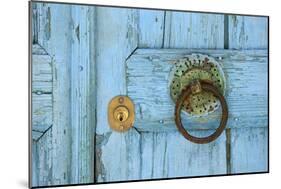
x=121, y=116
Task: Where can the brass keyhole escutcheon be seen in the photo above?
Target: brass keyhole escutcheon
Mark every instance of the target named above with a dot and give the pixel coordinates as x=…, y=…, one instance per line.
x=121, y=113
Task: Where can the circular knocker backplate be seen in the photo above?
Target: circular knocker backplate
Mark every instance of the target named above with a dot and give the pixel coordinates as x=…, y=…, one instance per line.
x=197, y=67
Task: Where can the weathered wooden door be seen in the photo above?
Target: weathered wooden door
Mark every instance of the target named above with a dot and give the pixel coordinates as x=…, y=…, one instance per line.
x=96, y=53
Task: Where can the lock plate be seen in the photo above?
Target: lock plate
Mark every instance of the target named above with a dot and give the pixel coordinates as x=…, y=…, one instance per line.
x=197, y=67
x=121, y=113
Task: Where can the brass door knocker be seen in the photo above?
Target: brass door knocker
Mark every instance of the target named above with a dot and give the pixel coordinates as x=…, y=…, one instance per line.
x=194, y=88
x=197, y=86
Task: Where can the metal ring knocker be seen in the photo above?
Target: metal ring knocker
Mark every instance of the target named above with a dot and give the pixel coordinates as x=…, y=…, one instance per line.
x=196, y=87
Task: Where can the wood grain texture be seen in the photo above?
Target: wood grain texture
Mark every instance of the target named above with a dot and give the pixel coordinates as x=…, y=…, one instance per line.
x=42, y=106
x=164, y=152
x=168, y=155
x=151, y=28
x=247, y=101
x=34, y=155
x=42, y=112
x=91, y=54
x=193, y=30
x=66, y=33
x=42, y=116
x=248, y=32
x=249, y=150
x=117, y=156
x=53, y=36
x=42, y=157
x=82, y=94
x=249, y=146
x=56, y=39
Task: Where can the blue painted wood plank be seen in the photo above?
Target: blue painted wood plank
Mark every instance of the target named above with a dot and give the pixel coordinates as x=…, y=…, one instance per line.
x=56, y=40
x=153, y=145
x=42, y=112
x=248, y=32
x=193, y=30
x=116, y=34
x=44, y=154
x=34, y=164
x=42, y=107
x=53, y=36
x=82, y=94
x=247, y=103
x=168, y=154
x=249, y=146
x=151, y=28
x=66, y=34
x=249, y=150
x=188, y=159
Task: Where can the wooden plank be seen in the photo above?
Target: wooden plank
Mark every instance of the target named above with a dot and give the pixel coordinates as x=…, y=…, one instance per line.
x=151, y=28
x=41, y=68
x=41, y=73
x=155, y=109
x=248, y=32
x=188, y=159
x=42, y=164
x=113, y=46
x=167, y=154
x=249, y=146
x=42, y=112
x=249, y=150
x=34, y=23
x=193, y=30
x=82, y=95
x=152, y=145
x=34, y=156
x=67, y=33
x=153, y=155
x=200, y=31
x=54, y=35
x=42, y=107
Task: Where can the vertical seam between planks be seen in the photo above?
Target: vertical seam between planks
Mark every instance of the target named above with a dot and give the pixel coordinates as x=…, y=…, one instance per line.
x=153, y=150
x=34, y=16
x=141, y=152
x=228, y=150
x=228, y=130
x=94, y=24
x=164, y=28
x=165, y=159
x=226, y=32
x=95, y=148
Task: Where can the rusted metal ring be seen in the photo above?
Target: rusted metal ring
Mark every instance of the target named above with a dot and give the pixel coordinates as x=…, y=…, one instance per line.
x=185, y=95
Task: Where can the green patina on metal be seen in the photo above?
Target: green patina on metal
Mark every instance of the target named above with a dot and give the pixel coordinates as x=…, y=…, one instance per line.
x=197, y=67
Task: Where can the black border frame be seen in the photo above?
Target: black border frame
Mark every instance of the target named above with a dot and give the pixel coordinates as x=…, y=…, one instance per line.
x=141, y=180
